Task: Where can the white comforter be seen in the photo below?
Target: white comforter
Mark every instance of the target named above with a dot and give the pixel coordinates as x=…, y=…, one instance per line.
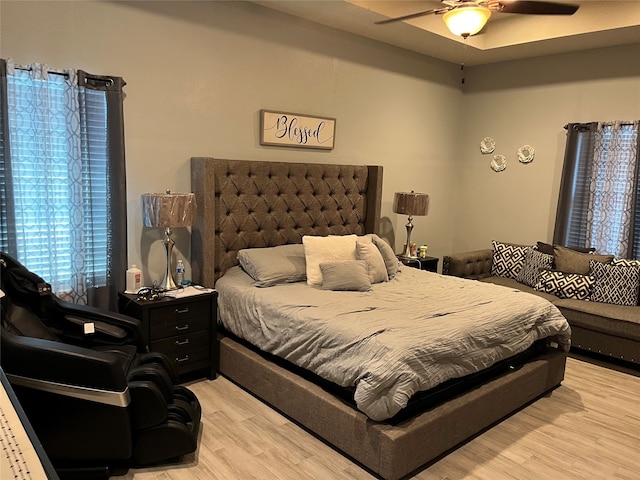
x=404, y=336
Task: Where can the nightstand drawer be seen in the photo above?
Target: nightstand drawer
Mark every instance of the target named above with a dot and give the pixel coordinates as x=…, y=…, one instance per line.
x=185, y=350
x=184, y=329
x=179, y=319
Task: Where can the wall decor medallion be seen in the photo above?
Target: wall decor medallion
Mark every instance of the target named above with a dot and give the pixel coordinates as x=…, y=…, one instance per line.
x=499, y=163
x=487, y=145
x=287, y=129
x=526, y=154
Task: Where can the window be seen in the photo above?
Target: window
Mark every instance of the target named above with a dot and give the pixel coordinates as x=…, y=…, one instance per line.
x=599, y=204
x=62, y=179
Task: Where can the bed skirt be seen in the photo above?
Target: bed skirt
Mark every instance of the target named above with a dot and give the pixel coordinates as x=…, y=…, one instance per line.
x=390, y=451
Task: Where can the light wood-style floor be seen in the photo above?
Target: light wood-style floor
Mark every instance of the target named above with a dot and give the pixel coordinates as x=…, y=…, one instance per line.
x=587, y=429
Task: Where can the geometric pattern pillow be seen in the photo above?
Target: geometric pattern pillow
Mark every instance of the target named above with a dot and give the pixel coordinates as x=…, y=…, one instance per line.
x=566, y=285
x=617, y=284
x=507, y=260
x=534, y=261
x=627, y=263
x=623, y=262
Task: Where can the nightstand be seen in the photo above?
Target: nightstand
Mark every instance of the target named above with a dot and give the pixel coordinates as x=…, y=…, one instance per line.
x=184, y=329
x=427, y=263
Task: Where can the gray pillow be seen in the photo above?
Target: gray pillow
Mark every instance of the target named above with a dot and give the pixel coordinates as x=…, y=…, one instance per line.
x=370, y=254
x=273, y=265
x=348, y=275
x=548, y=249
x=388, y=255
x=534, y=261
x=570, y=261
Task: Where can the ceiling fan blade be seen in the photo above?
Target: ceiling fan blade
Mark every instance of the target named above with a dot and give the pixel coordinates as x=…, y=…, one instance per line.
x=534, y=7
x=412, y=15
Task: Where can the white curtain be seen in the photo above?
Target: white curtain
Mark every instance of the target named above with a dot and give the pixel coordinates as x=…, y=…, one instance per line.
x=46, y=165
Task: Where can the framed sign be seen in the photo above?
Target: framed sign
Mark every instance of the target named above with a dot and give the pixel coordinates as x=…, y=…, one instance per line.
x=295, y=130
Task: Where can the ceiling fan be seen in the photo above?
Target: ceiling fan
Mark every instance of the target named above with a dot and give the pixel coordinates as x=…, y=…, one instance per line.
x=468, y=17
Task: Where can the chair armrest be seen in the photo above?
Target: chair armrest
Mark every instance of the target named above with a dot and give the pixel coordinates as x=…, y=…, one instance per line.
x=98, y=314
x=473, y=265
x=110, y=327
x=101, y=327
x=61, y=363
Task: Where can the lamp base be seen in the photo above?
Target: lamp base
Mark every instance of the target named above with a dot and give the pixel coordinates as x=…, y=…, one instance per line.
x=406, y=252
x=167, y=281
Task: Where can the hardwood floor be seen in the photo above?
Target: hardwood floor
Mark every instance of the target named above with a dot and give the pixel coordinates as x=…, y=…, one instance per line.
x=588, y=428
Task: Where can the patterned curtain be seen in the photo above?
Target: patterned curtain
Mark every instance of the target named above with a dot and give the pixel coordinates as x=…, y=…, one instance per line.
x=50, y=161
x=62, y=176
x=599, y=201
x=610, y=213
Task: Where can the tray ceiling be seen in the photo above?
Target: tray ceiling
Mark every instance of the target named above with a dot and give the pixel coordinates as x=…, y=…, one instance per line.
x=505, y=37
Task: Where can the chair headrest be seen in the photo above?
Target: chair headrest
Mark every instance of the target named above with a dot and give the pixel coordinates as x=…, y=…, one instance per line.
x=24, y=322
x=21, y=285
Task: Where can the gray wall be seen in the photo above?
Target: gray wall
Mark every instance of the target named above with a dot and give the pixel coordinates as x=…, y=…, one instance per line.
x=198, y=74
x=528, y=102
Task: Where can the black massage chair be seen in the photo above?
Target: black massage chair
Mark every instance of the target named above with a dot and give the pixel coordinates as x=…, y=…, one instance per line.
x=97, y=401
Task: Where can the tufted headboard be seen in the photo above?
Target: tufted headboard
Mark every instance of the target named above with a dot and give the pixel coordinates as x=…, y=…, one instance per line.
x=248, y=204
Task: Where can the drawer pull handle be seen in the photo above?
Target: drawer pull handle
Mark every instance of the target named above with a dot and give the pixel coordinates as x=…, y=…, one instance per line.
x=183, y=359
x=182, y=310
x=184, y=327
x=186, y=342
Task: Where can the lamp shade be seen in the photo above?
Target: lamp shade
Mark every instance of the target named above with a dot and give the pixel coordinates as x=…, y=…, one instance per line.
x=466, y=20
x=411, y=203
x=168, y=210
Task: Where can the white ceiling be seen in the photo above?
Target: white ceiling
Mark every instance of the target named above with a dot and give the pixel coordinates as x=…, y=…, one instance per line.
x=596, y=24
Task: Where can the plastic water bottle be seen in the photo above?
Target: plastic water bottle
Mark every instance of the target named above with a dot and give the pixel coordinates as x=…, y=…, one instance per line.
x=179, y=273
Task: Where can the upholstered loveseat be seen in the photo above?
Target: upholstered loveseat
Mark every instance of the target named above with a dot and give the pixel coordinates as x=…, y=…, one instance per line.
x=607, y=327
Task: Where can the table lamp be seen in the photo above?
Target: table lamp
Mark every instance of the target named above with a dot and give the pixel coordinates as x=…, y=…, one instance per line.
x=410, y=203
x=168, y=210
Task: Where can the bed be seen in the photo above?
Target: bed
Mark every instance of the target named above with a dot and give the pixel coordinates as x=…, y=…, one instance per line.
x=256, y=204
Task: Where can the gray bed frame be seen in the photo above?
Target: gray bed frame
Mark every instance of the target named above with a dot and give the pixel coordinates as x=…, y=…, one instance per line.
x=244, y=204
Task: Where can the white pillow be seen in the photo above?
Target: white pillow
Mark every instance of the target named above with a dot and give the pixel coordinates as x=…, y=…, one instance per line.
x=370, y=254
x=331, y=249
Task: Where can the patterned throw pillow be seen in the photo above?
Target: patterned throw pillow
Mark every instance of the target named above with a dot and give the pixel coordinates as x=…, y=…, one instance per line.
x=507, y=260
x=617, y=284
x=534, y=261
x=565, y=285
x=623, y=262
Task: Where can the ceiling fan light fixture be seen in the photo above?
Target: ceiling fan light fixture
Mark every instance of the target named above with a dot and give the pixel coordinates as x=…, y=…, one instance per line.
x=466, y=20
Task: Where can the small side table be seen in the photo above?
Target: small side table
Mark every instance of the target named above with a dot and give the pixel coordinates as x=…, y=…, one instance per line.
x=184, y=329
x=427, y=263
